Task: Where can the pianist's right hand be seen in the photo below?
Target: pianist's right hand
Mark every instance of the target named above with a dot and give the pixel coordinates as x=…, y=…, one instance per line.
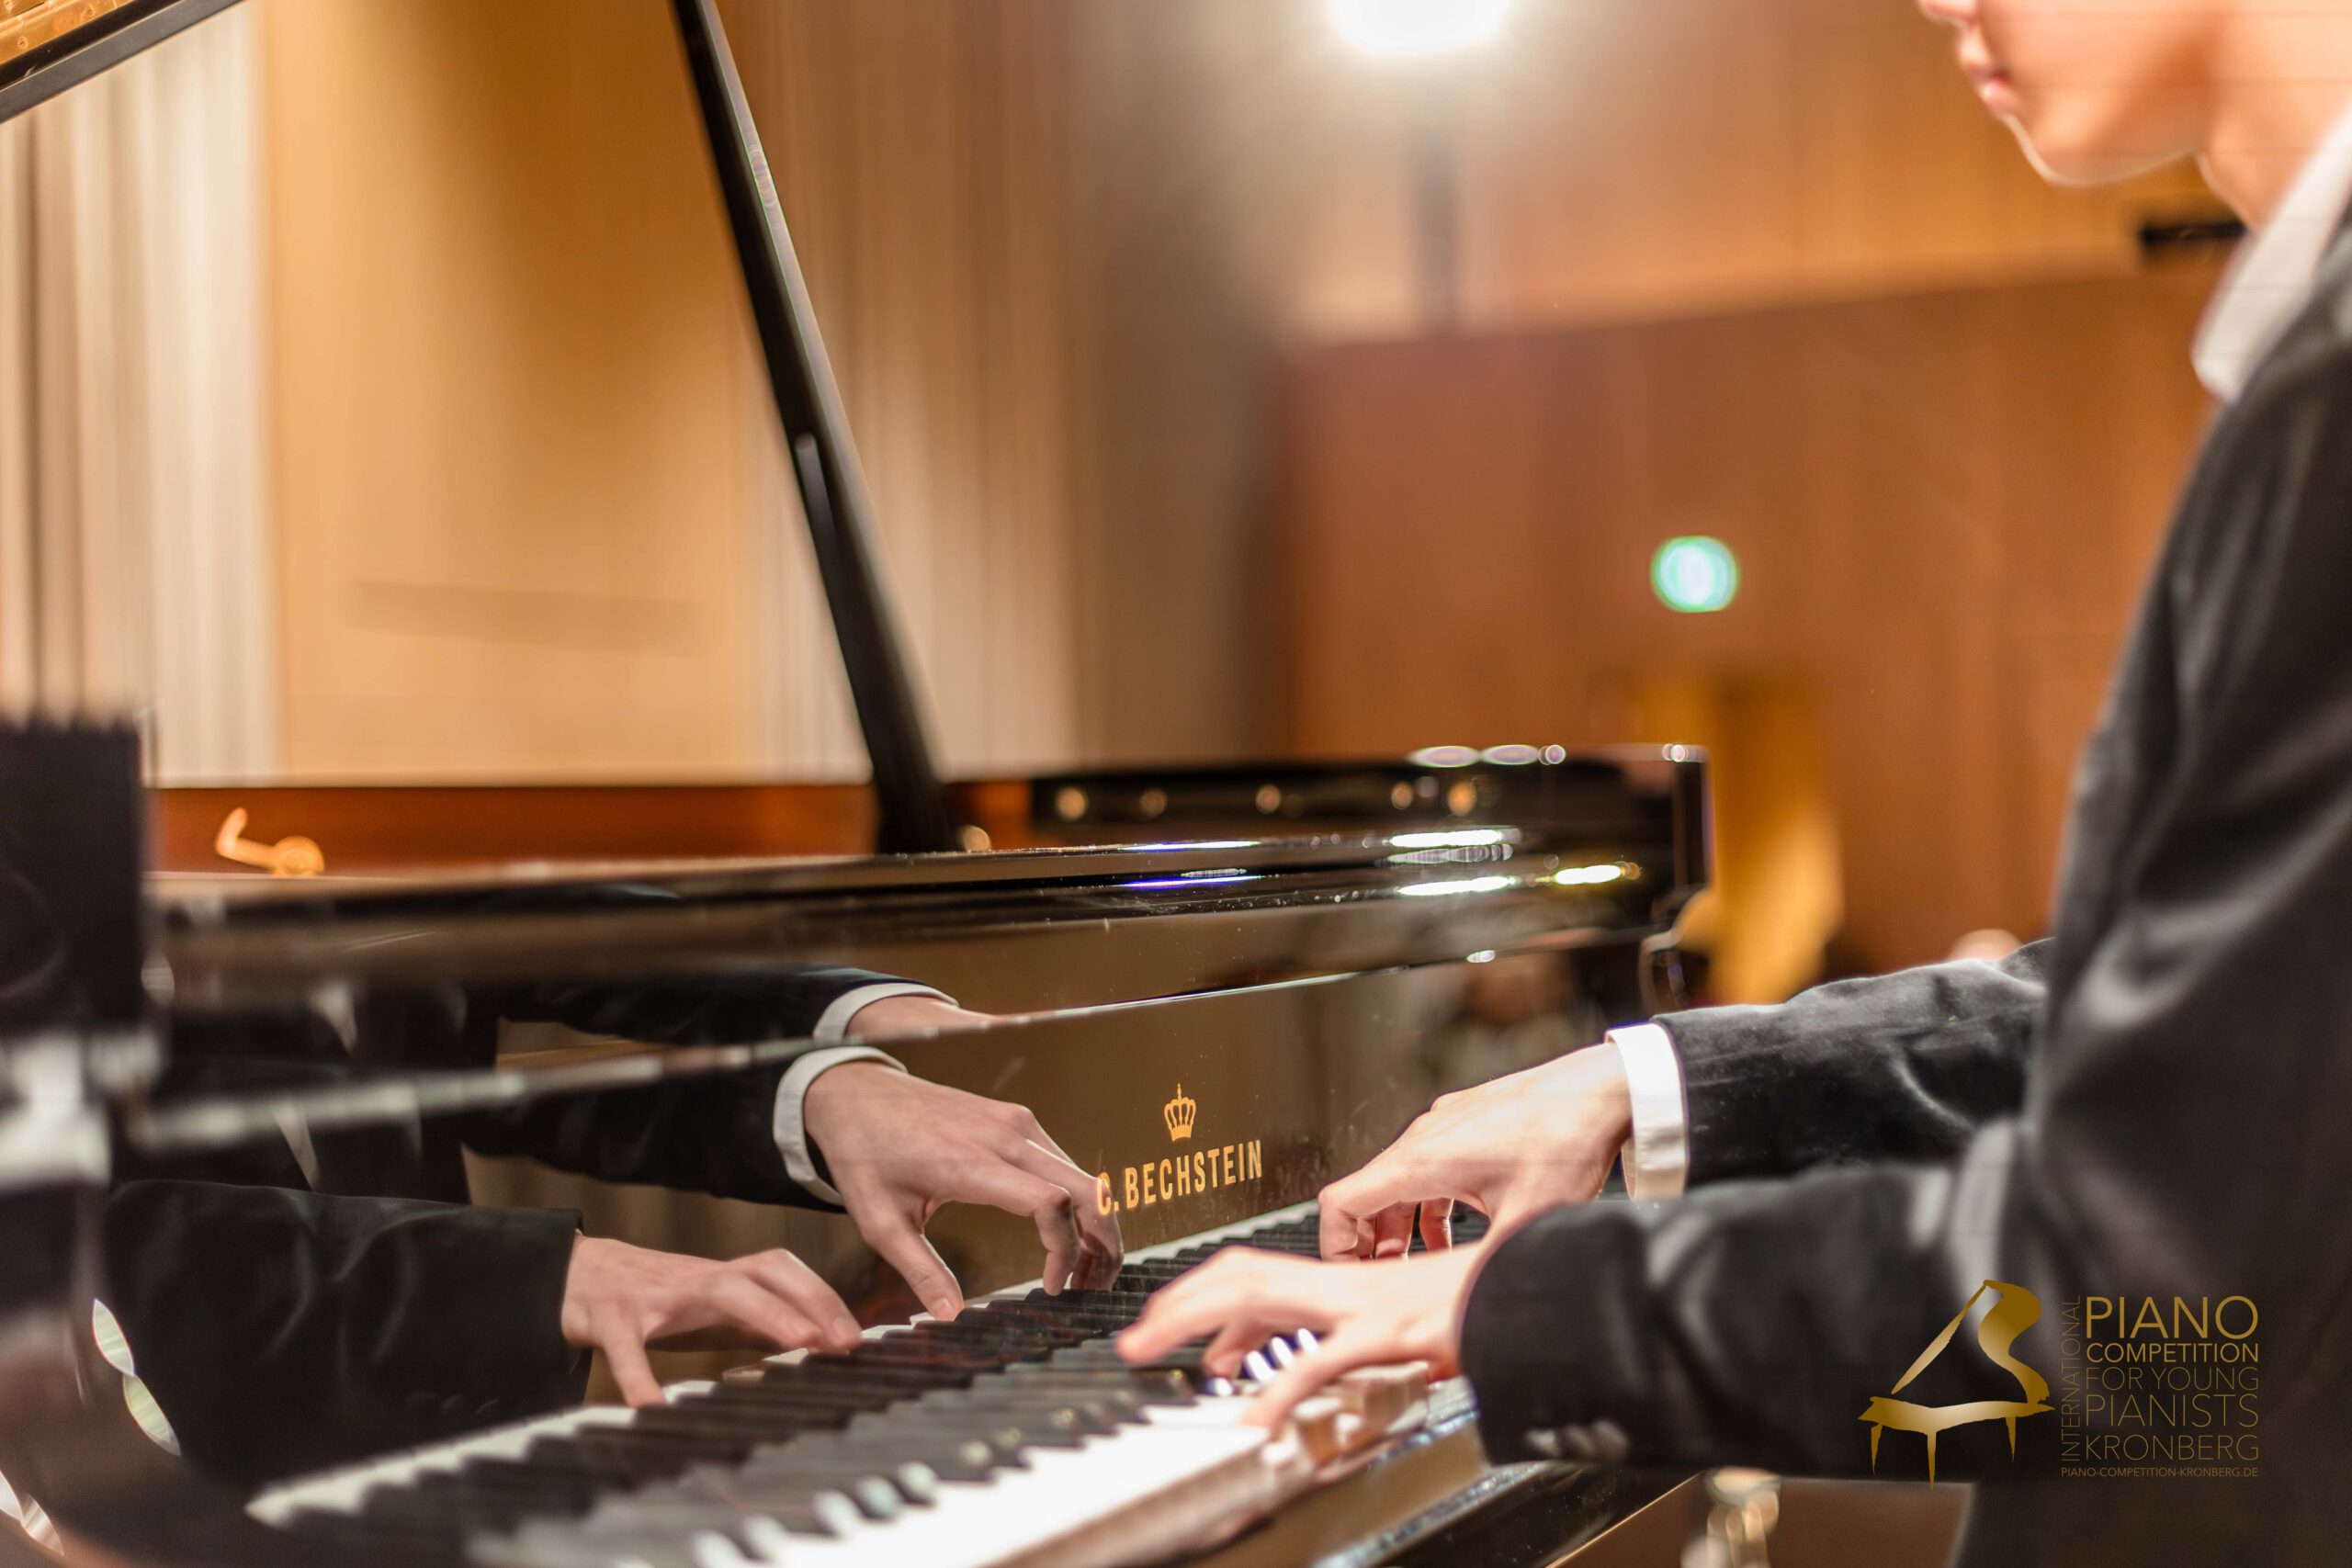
x=1511, y=1149
x=619, y=1299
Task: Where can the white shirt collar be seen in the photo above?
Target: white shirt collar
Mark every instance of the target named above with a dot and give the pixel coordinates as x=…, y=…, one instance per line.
x=2272, y=276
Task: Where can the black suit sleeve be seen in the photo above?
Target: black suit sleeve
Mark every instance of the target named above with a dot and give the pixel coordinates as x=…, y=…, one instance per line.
x=714, y=1133
x=2182, y=1132
x=284, y=1332
x=1900, y=1066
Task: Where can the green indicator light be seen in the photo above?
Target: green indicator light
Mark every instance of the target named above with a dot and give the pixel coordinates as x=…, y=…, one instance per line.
x=1694, y=574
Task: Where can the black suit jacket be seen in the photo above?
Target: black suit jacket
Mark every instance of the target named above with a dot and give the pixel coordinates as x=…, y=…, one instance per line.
x=285, y=1329
x=2156, y=1101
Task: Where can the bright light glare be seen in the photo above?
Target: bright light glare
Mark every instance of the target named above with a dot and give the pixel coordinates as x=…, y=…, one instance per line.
x=1461, y=838
x=1456, y=889
x=1200, y=879
x=1587, y=875
x=1694, y=575
x=1397, y=29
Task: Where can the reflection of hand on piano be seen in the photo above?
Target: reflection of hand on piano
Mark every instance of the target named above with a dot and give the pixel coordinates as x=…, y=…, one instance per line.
x=1360, y=1316
x=1509, y=1149
x=900, y=1148
x=619, y=1299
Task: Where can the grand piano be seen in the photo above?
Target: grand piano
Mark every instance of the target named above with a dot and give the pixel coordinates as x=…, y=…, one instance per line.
x=1218, y=988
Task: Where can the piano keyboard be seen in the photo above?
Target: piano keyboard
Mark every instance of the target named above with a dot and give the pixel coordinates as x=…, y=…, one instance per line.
x=1014, y=1434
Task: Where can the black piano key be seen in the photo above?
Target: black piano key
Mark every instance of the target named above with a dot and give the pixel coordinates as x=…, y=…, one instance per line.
x=1151, y=1385
x=951, y=1458
x=915, y=1480
x=558, y=1486
x=1007, y=1436
x=1055, y=1423
x=770, y=1492
x=855, y=1376
x=1185, y=1358
x=501, y=1498
x=908, y=1353
x=615, y=1459
x=334, y=1525
x=451, y=1516
x=1071, y=1324
x=1101, y=1405
x=819, y=1512
x=569, y=1545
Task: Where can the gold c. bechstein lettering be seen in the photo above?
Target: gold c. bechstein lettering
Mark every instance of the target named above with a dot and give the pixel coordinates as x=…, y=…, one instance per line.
x=2015, y=1309
x=1187, y=1175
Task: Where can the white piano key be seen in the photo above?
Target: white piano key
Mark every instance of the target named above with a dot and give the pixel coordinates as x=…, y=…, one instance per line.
x=340, y=1491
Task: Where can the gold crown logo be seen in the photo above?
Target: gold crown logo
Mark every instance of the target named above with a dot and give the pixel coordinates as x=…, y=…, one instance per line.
x=1180, y=1112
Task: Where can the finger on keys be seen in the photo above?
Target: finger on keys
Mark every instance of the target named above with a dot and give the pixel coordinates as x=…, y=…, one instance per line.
x=1049, y=1207
x=747, y=1304
x=801, y=1286
x=1355, y=1202
x=1061, y=1214
x=1102, y=1251
x=1392, y=1231
x=1333, y=1357
x=1230, y=1343
x=633, y=1372
x=1238, y=1288
x=1436, y=1223
x=904, y=1248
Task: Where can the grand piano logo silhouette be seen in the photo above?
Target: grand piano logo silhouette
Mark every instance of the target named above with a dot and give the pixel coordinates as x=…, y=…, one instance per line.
x=1180, y=1113
x=2015, y=1309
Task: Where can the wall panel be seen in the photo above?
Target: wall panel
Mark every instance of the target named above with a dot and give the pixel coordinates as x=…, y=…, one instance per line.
x=1943, y=505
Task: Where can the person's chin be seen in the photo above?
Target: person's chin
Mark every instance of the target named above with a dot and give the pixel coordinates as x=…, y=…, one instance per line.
x=2080, y=148
x=2066, y=156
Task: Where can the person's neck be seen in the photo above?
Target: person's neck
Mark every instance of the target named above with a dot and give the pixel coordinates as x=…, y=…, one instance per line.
x=2279, y=91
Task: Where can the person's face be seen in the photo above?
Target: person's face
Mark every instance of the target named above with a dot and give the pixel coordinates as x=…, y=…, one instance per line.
x=2094, y=89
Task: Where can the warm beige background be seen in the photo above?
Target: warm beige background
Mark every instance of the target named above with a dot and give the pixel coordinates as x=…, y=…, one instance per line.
x=527, y=497
x=1941, y=505
x=1223, y=391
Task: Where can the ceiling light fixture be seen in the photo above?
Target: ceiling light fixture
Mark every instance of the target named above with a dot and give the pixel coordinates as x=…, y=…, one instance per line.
x=1398, y=28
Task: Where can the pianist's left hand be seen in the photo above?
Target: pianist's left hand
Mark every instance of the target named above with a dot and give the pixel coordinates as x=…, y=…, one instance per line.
x=1364, y=1314
x=901, y=1148
x=620, y=1299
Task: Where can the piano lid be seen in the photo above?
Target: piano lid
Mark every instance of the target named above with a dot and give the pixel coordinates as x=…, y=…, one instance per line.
x=47, y=46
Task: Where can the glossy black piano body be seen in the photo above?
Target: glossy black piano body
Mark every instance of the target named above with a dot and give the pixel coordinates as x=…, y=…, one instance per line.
x=1288, y=1002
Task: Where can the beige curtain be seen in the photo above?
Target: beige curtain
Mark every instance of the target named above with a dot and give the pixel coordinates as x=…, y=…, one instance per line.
x=134, y=539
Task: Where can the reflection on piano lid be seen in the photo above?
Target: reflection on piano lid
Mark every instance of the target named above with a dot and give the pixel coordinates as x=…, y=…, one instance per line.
x=47, y=46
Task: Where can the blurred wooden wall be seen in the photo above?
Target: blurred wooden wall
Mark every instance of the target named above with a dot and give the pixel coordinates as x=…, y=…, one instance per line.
x=1942, y=504
x=532, y=520
x=511, y=456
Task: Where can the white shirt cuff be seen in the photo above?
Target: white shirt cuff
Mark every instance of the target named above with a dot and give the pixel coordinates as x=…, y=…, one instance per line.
x=792, y=1094
x=833, y=1024
x=1656, y=1158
